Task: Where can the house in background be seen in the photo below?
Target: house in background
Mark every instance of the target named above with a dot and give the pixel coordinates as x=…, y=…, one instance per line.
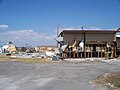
x=88, y=43
x=9, y=48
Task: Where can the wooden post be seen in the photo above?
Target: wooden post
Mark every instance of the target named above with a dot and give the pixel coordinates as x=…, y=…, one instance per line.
x=88, y=50
x=98, y=50
x=91, y=50
x=115, y=49
x=84, y=45
x=102, y=50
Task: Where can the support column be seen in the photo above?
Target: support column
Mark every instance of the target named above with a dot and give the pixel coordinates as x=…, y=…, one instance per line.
x=84, y=45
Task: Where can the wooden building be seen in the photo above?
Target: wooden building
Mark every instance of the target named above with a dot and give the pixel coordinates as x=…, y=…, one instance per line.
x=89, y=43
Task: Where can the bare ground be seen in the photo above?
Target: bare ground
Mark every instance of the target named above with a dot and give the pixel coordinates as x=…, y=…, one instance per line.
x=15, y=75
x=110, y=79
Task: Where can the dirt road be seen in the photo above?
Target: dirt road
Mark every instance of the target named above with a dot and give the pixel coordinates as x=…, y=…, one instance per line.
x=54, y=76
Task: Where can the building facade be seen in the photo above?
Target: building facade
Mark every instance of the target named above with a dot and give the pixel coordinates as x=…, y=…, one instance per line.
x=89, y=43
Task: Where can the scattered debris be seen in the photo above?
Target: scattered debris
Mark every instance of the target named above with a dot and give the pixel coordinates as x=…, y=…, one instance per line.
x=109, y=79
x=8, y=48
x=49, y=54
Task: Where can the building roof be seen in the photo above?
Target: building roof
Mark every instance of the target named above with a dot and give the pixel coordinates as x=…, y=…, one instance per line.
x=87, y=31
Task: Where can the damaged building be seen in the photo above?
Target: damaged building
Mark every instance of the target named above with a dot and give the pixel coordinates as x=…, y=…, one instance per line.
x=88, y=43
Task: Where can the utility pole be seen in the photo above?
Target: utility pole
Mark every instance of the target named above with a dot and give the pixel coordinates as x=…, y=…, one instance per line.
x=59, y=27
x=57, y=33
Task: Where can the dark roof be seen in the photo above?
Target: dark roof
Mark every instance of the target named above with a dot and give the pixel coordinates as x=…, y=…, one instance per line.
x=89, y=31
x=86, y=31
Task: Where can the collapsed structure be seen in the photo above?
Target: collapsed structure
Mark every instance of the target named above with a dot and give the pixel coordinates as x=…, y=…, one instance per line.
x=88, y=43
x=8, y=48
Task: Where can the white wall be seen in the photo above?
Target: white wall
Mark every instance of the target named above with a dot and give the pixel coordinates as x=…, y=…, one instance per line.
x=69, y=38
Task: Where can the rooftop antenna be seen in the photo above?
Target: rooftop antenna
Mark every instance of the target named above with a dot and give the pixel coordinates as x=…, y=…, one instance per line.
x=82, y=28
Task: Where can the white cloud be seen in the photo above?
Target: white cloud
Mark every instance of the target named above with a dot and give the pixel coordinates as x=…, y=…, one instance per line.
x=3, y=26
x=29, y=37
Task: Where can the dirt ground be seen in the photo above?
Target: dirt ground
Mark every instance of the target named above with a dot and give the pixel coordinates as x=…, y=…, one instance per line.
x=112, y=80
x=15, y=75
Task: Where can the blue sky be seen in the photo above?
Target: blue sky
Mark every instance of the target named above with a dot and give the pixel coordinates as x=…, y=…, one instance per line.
x=34, y=21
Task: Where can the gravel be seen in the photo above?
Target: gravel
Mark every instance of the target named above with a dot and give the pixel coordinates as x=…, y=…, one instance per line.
x=54, y=76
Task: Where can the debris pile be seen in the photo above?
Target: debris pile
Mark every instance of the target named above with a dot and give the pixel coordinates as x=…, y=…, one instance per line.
x=30, y=52
x=109, y=79
x=8, y=48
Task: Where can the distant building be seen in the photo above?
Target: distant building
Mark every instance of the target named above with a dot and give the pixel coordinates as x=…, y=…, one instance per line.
x=44, y=48
x=9, y=48
x=12, y=48
x=89, y=43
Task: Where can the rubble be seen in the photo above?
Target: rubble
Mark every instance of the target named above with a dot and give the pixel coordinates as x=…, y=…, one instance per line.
x=47, y=54
x=8, y=48
x=109, y=79
x=30, y=52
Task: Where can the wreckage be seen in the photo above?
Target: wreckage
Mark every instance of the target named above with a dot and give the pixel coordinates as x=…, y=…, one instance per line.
x=87, y=43
x=8, y=48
